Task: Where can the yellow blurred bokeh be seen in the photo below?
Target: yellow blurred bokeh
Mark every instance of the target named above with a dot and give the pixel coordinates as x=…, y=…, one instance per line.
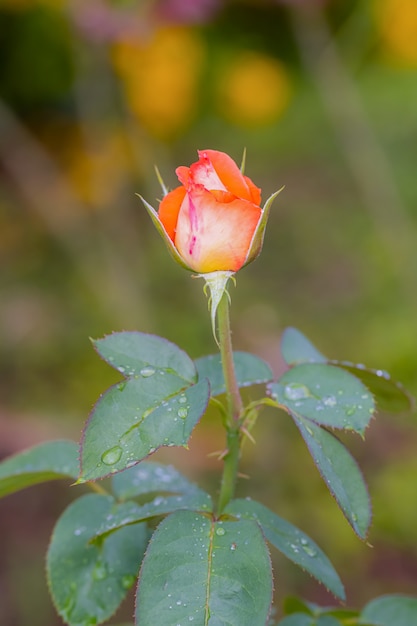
x=97, y=174
x=397, y=24
x=253, y=89
x=161, y=78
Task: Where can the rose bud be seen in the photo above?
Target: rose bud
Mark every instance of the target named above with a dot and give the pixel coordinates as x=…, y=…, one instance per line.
x=213, y=221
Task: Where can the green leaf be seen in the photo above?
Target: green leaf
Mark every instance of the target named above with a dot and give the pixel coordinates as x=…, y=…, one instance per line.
x=128, y=513
x=297, y=619
x=47, y=461
x=390, y=395
x=150, y=477
x=293, y=604
x=340, y=473
x=327, y=620
x=88, y=582
x=203, y=572
x=296, y=348
x=297, y=605
x=291, y=541
x=398, y=610
x=325, y=394
x=250, y=370
x=137, y=354
x=341, y=614
x=301, y=619
x=134, y=418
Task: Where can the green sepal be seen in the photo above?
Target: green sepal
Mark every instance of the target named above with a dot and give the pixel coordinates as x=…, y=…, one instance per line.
x=161, y=181
x=161, y=230
x=216, y=283
x=258, y=236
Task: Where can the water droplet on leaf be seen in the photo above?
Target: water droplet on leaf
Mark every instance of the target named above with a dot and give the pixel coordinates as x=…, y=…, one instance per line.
x=147, y=371
x=220, y=531
x=309, y=550
x=296, y=391
x=350, y=410
x=183, y=412
x=329, y=401
x=127, y=581
x=111, y=456
x=100, y=572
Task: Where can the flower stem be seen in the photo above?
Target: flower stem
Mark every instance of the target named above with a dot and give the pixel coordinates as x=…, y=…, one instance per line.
x=234, y=406
x=234, y=401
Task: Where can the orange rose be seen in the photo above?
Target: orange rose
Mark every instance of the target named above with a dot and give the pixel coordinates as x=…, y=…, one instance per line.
x=213, y=222
x=212, y=217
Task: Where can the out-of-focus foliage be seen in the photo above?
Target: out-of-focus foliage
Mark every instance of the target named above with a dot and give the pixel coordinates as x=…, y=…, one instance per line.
x=323, y=95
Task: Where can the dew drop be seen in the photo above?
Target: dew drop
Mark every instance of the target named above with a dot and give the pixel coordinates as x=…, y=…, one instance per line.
x=147, y=371
x=110, y=457
x=183, y=412
x=68, y=607
x=100, y=572
x=309, y=550
x=382, y=374
x=296, y=391
x=350, y=410
x=182, y=399
x=329, y=401
x=220, y=531
x=127, y=581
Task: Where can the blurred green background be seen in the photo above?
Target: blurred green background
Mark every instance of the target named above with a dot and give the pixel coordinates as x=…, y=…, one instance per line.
x=323, y=95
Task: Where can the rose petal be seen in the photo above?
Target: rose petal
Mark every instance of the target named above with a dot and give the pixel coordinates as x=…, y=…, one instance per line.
x=203, y=173
x=169, y=210
x=255, y=192
x=230, y=175
x=213, y=236
x=183, y=174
